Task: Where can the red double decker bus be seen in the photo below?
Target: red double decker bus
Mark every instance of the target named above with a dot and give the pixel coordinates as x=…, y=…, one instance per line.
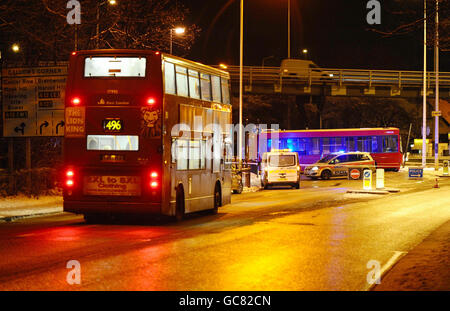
x=383, y=144
x=145, y=133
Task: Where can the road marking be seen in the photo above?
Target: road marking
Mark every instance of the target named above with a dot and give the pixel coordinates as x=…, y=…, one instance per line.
x=387, y=266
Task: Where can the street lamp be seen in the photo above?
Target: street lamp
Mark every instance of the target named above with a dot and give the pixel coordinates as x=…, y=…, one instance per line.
x=15, y=47
x=305, y=52
x=178, y=31
x=99, y=4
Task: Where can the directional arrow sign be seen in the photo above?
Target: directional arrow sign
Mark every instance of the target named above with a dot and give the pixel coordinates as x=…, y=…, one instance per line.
x=58, y=125
x=20, y=128
x=45, y=124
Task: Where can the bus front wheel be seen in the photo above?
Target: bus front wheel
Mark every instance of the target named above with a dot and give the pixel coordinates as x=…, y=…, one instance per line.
x=180, y=210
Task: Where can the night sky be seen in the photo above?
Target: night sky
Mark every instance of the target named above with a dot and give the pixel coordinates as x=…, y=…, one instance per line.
x=334, y=31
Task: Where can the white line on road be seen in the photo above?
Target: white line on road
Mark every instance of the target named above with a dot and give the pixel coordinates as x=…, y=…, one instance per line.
x=387, y=266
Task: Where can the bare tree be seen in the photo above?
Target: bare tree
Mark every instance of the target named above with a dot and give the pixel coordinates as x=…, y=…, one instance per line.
x=405, y=17
x=42, y=30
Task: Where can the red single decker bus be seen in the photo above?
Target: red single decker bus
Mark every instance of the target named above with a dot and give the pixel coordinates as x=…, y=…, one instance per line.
x=383, y=144
x=145, y=133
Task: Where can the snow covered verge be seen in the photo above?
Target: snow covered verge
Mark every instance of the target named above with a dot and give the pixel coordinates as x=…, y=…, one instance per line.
x=23, y=206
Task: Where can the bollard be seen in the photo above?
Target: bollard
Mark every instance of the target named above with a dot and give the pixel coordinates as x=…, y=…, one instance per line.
x=445, y=168
x=380, y=178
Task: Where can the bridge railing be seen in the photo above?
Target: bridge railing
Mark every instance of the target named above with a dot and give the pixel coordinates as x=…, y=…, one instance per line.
x=370, y=78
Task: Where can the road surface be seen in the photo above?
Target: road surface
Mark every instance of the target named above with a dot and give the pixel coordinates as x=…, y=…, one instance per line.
x=314, y=238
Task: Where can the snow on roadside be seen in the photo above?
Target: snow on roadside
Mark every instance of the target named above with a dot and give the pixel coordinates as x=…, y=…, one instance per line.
x=22, y=205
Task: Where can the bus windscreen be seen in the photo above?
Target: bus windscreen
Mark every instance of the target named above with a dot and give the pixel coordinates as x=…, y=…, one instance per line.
x=114, y=67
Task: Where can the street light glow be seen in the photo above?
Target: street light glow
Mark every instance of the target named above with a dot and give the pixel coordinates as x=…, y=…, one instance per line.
x=305, y=51
x=112, y=2
x=15, y=47
x=223, y=66
x=179, y=30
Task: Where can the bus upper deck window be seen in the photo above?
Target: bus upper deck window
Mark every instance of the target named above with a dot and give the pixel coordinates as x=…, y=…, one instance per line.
x=114, y=67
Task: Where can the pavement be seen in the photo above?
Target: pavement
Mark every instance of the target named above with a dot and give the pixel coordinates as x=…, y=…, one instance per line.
x=21, y=206
x=425, y=268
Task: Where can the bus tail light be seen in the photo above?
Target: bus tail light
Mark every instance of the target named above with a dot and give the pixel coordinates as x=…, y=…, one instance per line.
x=154, y=180
x=70, y=174
x=151, y=101
x=76, y=101
x=69, y=183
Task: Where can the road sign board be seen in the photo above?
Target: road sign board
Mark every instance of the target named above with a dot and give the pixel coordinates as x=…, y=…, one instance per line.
x=33, y=101
x=355, y=173
x=367, y=180
x=415, y=172
x=436, y=114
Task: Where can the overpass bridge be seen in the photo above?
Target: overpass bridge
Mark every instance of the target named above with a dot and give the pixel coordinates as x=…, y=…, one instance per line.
x=339, y=82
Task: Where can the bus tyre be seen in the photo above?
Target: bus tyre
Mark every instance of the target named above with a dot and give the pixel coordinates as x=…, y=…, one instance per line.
x=297, y=185
x=179, y=209
x=217, y=199
x=326, y=175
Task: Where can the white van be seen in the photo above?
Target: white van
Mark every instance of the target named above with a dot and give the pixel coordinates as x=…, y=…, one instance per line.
x=300, y=68
x=280, y=167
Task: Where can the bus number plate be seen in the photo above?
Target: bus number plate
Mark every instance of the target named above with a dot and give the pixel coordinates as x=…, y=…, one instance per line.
x=112, y=185
x=112, y=125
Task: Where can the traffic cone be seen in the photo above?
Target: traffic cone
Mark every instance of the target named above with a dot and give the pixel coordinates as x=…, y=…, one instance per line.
x=437, y=184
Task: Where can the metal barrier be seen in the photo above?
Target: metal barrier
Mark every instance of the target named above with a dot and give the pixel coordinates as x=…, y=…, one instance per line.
x=252, y=74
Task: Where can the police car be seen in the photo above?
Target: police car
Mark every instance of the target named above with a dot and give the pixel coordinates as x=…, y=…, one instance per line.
x=280, y=167
x=337, y=164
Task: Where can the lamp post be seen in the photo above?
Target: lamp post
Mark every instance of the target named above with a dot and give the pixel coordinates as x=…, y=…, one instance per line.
x=178, y=31
x=436, y=71
x=241, y=64
x=99, y=4
x=424, y=115
x=289, y=28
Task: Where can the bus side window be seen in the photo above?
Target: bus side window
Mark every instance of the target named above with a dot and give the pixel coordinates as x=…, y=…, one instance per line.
x=217, y=97
x=182, y=82
x=182, y=153
x=194, y=84
x=205, y=85
x=225, y=92
x=169, y=78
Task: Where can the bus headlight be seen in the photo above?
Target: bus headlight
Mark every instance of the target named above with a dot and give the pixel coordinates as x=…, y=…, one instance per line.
x=315, y=168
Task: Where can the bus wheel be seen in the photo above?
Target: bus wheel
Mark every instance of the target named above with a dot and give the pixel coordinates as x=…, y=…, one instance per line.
x=297, y=185
x=179, y=212
x=326, y=175
x=217, y=199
